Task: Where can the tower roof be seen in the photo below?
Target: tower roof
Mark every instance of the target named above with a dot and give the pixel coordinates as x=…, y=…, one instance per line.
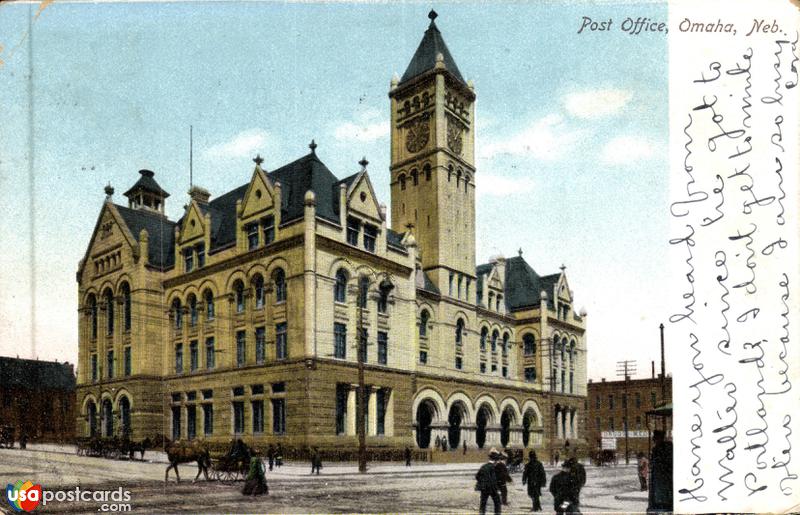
x=147, y=183
x=424, y=59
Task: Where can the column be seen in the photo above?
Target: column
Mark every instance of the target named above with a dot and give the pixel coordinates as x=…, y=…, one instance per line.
x=309, y=274
x=575, y=424
x=350, y=424
x=468, y=435
x=372, y=411
x=559, y=434
x=493, y=435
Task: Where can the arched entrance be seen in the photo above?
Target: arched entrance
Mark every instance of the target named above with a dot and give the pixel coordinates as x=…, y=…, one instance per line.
x=91, y=412
x=481, y=421
x=506, y=419
x=425, y=413
x=108, y=419
x=528, y=421
x=455, y=418
x=125, y=416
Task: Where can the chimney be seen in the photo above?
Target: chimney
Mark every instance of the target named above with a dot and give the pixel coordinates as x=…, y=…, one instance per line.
x=199, y=195
x=603, y=380
x=652, y=369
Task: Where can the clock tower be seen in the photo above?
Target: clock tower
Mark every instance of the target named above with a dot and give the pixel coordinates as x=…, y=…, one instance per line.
x=433, y=164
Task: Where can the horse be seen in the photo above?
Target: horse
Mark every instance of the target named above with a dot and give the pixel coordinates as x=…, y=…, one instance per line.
x=187, y=452
x=140, y=447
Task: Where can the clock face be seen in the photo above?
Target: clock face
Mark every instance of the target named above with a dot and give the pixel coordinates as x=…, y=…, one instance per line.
x=454, y=136
x=417, y=134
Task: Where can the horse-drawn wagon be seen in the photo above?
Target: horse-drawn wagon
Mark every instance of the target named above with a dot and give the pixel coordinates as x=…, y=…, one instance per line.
x=7, y=436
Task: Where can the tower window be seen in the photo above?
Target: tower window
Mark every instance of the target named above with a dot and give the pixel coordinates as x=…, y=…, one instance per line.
x=402, y=180
x=280, y=285
x=415, y=177
x=427, y=171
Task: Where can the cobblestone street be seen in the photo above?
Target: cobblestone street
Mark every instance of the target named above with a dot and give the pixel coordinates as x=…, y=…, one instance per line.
x=388, y=487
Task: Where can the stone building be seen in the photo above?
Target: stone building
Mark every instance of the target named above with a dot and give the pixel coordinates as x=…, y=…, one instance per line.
x=37, y=398
x=242, y=317
x=606, y=412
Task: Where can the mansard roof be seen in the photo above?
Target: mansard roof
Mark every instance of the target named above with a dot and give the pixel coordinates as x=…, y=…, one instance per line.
x=31, y=373
x=523, y=286
x=424, y=58
x=160, y=232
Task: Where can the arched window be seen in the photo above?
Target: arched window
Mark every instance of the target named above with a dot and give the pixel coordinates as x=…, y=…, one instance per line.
x=572, y=351
x=363, y=290
x=423, y=322
x=506, y=336
x=458, y=178
x=258, y=286
x=495, y=334
x=484, y=335
x=402, y=180
x=459, y=331
x=177, y=313
x=192, y=303
x=427, y=170
x=92, y=305
x=529, y=344
x=125, y=291
x=109, y=305
x=280, y=285
x=449, y=172
x=415, y=177
x=238, y=293
x=383, y=298
x=125, y=416
x=91, y=412
x=208, y=298
x=491, y=299
x=340, y=288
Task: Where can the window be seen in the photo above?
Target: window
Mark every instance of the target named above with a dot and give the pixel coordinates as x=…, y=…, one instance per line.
x=208, y=394
x=363, y=290
x=530, y=374
x=278, y=387
x=638, y=399
x=209, y=300
x=597, y=402
x=93, y=315
x=459, y=363
x=258, y=286
x=238, y=417
x=415, y=177
x=268, y=225
x=339, y=341
x=191, y=396
x=484, y=334
x=188, y=260
x=281, y=351
x=460, y=282
x=380, y=407
x=563, y=381
x=240, y=348
x=459, y=330
x=383, y=298
x=110, y=364
x=383, y=343
x=466, y=291
x=505, y=344
x=208, y=419
x=340, y=288
x=192, y=310
x=252, y=236
x=191, y=422
x=370, y=234
x=402, y=180
x=610, y=401
x=126, y=306
x=126, y=361
x=177, y=313
x=495, y=334
x=201, y=255
x=653, y=399
x=238, y=391
x=258, y=416
x=597, y=423
x=260, y=344
x=571, y=382
x=423, y=357
x=176, y=422
x=491, y=300
x=362, y=345
x=483, y=368
x=505, y=371
x=353, y=228
x=611, y=423
x=529, y=344
x=179, y=358
x=280, y=285
x=193, y=356
x=342, y=391
x=423, y=322
x=494, y=368
x=109, y=313
x=177, y=397
x=210, y=353
x=427, y=170
x=238, y=290
x=94, y=368
x=451, y=285
x=279, y=416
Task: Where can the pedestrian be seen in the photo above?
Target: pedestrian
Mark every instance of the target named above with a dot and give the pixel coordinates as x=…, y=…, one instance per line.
x=255, y=483
x=444, y=443
x=642, y=466
x=408, y=456
x=556, y=460
x=279, y=456
x=660, y=496
x=536, y=479
x=271, y=456
x=503, y=477
x=465, y=447
x=316, y=460
x=438, y=443
x=486, y=482
x=563, y=489
x=578, y=473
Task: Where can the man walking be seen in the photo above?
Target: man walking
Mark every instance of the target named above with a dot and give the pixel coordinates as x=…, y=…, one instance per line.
x=503, y=477
x=487, y=482
x=316, y=460
x=563, y=489
x=408, y=456
x=643, y=467
x=660, y=496
x=271, y=456
x=536, y=479
x=578, y=473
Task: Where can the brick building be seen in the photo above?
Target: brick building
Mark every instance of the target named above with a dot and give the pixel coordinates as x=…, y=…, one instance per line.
x=38, y=398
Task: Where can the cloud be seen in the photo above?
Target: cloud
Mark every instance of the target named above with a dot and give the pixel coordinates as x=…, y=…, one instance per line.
x=244, y=144
x=367, y=127
x=547, y=139
x=627, y=150
x=500, y=186
x=596, y=103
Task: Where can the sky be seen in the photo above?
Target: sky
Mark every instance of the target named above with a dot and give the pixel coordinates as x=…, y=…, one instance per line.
x=571, y=136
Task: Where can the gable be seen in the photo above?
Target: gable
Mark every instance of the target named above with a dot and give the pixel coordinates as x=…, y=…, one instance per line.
x=562, y=289
x=193, y=225
x=259, y=195
x=362, y=199
x=110, y=235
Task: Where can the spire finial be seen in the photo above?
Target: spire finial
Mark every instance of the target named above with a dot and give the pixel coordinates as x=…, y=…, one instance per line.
x=363, y=163
x=432, y=15
x=313, y=146
x=258, y=160
x=520, y=252
x=563, y=267
x=109, y=190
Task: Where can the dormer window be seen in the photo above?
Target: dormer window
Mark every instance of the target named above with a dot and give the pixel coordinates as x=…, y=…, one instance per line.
x=188, y=260
x=370, y=234
x=252, y=236
x=201, y=255
x=268, y=225
x=353, y=228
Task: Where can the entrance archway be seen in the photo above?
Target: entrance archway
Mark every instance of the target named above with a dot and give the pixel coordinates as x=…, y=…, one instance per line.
x=528, y=421
x=425, y=414
x=455, y=418
x=108, y=419
x=506, y=419
x=91, y=411
x=125, y=416
x=481, y=421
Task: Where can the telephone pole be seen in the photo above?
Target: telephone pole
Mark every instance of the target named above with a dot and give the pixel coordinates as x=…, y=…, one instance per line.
x=626, y=368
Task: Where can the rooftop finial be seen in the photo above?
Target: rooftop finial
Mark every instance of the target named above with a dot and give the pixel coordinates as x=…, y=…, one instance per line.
x=109, y=191
x=432, y=15
x=363, y=163
x=258, y=160
x=520, y=252
x=563, y=267
x=313, y=146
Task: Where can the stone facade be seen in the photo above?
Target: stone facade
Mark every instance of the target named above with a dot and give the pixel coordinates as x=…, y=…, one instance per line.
x=241, y=318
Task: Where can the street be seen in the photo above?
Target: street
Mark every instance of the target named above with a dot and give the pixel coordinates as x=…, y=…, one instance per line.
x=388, y=487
